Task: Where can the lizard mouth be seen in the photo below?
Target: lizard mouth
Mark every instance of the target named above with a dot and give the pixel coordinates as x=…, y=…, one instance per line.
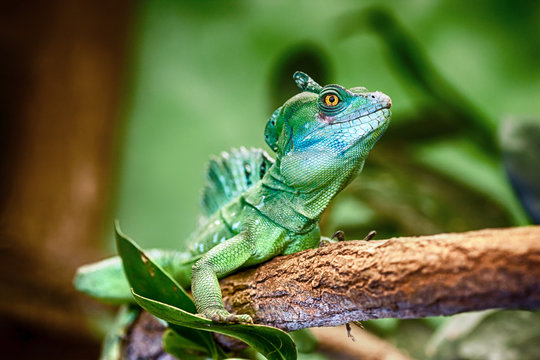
x=364, y=120
x=357, y=124
x=371, y=113
x=362, y=123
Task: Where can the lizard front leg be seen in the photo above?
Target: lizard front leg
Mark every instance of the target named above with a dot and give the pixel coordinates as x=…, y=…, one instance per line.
x=220, y=260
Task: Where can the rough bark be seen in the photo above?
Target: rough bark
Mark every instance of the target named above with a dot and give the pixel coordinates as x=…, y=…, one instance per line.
x=400, y=277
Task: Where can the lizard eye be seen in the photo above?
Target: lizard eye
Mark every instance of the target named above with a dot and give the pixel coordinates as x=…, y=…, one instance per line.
x=331, y=100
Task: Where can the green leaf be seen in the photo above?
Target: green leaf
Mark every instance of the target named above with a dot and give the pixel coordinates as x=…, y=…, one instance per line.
x=152, y=285
x=273, y=343
x=149, y=279
x=305, y=341
x=181, y=347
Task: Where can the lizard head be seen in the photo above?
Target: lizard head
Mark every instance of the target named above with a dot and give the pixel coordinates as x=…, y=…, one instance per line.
x=325, y=128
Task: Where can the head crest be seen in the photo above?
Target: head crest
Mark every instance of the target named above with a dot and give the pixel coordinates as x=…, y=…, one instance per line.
x=305, y=83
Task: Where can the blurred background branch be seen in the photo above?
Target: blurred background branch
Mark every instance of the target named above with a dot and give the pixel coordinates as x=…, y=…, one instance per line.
x=62, y=67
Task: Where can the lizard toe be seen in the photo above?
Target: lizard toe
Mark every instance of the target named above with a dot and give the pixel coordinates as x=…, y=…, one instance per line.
x=223, y=316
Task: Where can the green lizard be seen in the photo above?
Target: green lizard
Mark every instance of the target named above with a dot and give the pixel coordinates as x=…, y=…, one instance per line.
x=255, y=208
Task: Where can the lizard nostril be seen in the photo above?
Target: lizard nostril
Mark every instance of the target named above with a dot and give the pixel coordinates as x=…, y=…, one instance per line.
x=381, y=99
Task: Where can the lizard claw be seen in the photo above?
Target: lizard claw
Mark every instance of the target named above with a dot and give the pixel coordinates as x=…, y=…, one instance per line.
x=339, y=235
x=223, y=316
x=370, y=235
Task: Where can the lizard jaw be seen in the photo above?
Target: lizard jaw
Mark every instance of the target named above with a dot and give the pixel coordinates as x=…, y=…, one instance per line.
x=363, y=124
x=358, y=124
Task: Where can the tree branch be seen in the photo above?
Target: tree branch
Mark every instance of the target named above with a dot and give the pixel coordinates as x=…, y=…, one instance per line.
x=407, y=277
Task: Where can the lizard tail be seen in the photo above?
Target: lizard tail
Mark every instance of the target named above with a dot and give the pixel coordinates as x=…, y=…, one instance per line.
x=105, y=280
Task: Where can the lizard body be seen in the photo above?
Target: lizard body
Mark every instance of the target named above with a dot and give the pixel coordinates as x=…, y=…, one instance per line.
x=321, y=138
x=256, y=208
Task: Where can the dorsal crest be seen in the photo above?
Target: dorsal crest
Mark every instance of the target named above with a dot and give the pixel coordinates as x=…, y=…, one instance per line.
x=230, y=174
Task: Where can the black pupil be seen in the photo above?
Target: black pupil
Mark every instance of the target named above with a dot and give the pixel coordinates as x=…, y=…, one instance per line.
x=331, y=99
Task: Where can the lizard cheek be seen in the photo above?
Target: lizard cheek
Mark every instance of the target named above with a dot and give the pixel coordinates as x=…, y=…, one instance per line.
x=325, y=119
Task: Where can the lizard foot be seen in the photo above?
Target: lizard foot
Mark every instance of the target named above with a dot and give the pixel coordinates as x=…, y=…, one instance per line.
x=223, y=316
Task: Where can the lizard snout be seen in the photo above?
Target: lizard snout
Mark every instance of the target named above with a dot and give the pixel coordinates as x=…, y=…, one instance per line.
x=381, y=98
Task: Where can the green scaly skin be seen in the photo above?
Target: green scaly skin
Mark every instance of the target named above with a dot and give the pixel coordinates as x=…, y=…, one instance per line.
x=320, y=146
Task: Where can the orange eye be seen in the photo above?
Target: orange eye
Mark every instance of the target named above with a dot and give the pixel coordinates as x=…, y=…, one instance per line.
x=331, y=100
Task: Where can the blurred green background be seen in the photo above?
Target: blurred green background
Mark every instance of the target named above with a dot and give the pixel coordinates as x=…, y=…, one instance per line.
x=207, y=75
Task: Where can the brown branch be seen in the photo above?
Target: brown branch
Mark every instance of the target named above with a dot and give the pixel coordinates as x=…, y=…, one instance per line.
x=401, y=277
